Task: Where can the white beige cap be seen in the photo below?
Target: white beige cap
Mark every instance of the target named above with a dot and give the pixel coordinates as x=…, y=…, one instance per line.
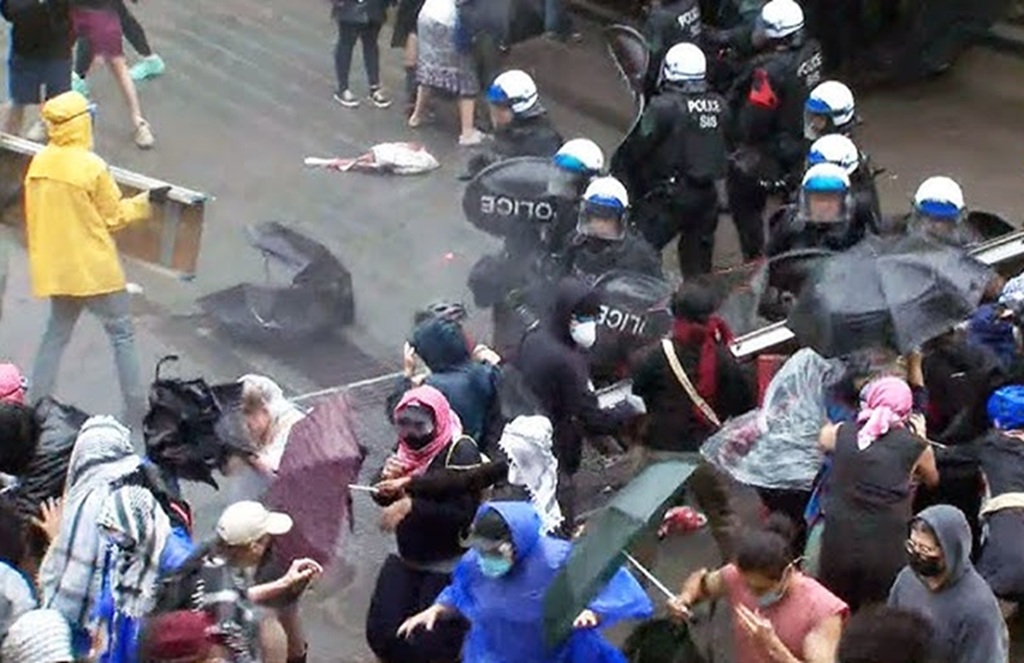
x=245, y=522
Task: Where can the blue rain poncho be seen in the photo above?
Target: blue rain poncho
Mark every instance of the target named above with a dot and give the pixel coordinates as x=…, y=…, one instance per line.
x=506, y=613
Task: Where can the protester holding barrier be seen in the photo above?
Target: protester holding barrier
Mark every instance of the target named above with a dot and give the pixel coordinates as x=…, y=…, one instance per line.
x=72, y=205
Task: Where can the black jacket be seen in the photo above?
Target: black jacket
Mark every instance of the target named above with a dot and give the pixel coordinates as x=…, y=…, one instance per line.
x=557, y=373
x=433, y=530
x=588, y=258
x=771, y=96
x=39, y=30
x=671, y=422
x=667, y=25
x=681, y=137
x=959, y=378
x=532, y=135
x=359, y=12
x=788, y=233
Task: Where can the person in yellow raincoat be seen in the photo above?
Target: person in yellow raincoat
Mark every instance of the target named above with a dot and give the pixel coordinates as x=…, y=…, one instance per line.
x=72, y=205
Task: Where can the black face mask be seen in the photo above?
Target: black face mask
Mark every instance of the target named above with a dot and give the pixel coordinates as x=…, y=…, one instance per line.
x=925, y=566
x=417, y=442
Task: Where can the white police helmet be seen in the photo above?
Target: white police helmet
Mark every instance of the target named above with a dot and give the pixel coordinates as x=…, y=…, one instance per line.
x=825, y=178
x=683, y=63
x=515, y=89
x=580, y=155
x=605, y=198
x=939, y=198
x=780, y=19
x=836, y=149
x=829, y=108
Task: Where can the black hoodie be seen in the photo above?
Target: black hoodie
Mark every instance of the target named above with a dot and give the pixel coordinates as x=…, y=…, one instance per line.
x=556, y=371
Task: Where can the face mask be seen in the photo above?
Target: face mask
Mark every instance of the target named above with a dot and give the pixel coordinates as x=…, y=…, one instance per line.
x=493, y=567
x=771, y=597
x=926, y=567
x=584, y=333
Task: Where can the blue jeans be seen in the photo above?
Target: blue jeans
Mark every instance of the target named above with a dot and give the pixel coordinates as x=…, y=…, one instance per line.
x=114, y=313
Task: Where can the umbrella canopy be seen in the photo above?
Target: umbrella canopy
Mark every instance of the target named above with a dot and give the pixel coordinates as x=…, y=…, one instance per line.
x=597, y=555
x=322, y=457
x=317, y=298
x=885, y=293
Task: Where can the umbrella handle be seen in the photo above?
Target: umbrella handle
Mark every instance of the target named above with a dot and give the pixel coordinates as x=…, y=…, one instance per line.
x=650, y=576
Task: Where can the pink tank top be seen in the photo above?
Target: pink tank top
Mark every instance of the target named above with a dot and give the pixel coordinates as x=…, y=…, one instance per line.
x=804, y=606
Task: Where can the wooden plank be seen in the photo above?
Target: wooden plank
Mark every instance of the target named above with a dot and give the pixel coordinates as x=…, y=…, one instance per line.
x=170, y=239
x=1007, y=250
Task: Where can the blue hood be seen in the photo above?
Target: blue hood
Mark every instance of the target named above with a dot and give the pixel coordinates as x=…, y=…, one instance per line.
x=507, y=613
x=522, y=521
x=440, y=344
x=985, y=329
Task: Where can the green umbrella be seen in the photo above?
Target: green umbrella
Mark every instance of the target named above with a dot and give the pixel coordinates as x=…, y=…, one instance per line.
x=598, y=554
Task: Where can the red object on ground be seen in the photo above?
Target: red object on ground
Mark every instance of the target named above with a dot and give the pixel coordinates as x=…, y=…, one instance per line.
x=681, y=519
x=767, y=367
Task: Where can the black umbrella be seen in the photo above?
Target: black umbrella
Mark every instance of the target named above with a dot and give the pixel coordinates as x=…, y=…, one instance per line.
x=317, y=298
x=887, y=293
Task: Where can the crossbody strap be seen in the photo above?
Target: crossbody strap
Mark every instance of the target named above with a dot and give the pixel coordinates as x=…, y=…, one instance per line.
x=684, y=380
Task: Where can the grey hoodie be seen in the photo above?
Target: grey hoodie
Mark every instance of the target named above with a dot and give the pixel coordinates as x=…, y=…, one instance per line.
x=968, y=627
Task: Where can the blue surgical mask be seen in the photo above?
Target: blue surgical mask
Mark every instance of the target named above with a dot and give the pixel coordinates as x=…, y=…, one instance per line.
x=493, y=567
x=770, y=598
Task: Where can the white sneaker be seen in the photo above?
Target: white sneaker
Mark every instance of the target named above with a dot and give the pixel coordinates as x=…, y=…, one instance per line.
x=474, y=138
x=144, y=135
x=37, y=132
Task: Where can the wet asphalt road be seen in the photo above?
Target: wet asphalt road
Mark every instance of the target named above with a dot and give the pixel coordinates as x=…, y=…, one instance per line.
x=247, y=96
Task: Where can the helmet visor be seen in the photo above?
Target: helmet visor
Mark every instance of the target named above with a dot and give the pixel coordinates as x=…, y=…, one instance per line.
x=817, y=121
x=825, y=207
x=602, y=221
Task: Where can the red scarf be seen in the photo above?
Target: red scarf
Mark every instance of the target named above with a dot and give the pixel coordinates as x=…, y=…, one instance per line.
x=447, y=427
x=708, y=337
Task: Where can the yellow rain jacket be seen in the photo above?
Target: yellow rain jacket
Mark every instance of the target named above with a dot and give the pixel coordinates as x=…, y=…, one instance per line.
x=72, y=204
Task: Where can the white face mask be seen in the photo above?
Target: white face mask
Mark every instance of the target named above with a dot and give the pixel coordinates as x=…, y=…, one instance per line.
x=583, y=333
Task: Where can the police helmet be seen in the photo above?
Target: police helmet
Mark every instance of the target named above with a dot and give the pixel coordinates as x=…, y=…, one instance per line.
x=829, y=108
x=605, y=199
x=939, y=198
x=836, y=149
x=684, y=63
x=581, y=156
x=825, y=178
x=780, y=19
x=515, y=89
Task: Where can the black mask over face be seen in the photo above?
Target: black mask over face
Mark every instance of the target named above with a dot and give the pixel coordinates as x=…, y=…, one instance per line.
x=925, y=566
x=415, y=425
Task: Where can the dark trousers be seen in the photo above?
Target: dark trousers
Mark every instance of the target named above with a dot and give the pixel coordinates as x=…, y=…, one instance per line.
x=401, y=592
x=747, y=200
x=132, y=30
x=348, y=33
x=688, y=211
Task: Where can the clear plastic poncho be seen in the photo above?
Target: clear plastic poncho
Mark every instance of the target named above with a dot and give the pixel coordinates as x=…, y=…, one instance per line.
x=776, y=446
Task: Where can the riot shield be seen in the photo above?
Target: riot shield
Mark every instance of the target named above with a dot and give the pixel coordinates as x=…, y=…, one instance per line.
x=511, y=197
x=634, y=314
x=507, y=21
x=629, y=50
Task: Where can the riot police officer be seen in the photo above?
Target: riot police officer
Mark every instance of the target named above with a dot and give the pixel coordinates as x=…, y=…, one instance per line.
x=676, y=158
x=829, y=109
x=940, y=213
x=669, y=23
x=841, y=151
x=823, y=219
x=521, y=124
x=604, y=240
x=577, y=162
x=770, y=132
